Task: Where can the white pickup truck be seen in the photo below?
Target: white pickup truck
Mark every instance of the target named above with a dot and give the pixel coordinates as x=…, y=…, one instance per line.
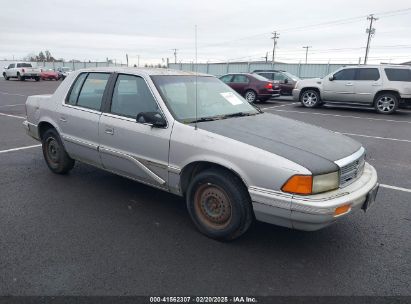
x=21, y=71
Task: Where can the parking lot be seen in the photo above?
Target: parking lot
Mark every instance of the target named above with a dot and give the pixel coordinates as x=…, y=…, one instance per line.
x=95, y=233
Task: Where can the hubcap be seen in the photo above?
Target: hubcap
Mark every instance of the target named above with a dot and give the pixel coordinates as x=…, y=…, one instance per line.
x=250, y=96
x=385, y=104
x=212, y=206
x=53, y=150
x=310, y=99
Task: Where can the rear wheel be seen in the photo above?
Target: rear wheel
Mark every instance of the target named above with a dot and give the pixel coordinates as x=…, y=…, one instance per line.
x=19, y=77
x=37, y=78
x=386, y=103
x=310, y=98
x=219, y=204
x=250, y=96
x=54, y=153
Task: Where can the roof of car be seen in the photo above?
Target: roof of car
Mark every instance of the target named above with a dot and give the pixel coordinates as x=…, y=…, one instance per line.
x=145, y=71
x=377, y=66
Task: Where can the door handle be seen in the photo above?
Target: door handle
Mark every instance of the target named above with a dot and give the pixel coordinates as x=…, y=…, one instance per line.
x=109, y=130
x=348, y=84
x=63, y=119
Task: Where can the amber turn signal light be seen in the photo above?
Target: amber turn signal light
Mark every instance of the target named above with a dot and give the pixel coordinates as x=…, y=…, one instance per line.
x=342, y=209
x=299, y=184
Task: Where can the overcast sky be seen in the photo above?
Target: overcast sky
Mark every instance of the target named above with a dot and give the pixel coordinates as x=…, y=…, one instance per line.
x=227, y=29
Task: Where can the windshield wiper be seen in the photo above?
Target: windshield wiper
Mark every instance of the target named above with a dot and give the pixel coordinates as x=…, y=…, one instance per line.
x=239, y=114
x=201, y=119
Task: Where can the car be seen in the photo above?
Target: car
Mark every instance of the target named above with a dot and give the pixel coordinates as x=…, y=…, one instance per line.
x=384, y=87
x=287, y=80
x=21, y=71
x=49, y=74
x=193, y=136
x=63, y=72
x=252, y=86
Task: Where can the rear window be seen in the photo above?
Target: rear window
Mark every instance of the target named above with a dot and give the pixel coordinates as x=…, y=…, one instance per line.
x=24, y=65
x=259, y=77
x=398, y=74
x=368, y=74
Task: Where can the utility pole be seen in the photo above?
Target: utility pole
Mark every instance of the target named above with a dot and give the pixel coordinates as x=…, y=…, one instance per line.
x=266, y=57
x=175, y=55
x=275, y=37
x=371, y=32
x=306, y=52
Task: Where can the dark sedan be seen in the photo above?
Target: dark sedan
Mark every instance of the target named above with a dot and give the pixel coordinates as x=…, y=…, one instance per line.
x=252, y=86
x=287, y=80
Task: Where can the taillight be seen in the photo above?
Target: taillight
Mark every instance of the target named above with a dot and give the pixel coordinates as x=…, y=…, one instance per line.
x=23, y=70
x=269, y=86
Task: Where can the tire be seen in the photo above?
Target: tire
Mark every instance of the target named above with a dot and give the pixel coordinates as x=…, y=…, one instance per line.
x=54, y=153
x=20, y=78
x=5, y=76
x=250, y=96
x=219, y=204
x=386, y=103
x=310, y=98
x=37, y=78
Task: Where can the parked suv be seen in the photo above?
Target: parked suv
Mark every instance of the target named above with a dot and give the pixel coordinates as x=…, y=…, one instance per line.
x=385, y=87
x=252, y=86
x=287, y=80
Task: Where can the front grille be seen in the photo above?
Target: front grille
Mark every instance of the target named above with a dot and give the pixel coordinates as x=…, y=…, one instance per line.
x=352, y=171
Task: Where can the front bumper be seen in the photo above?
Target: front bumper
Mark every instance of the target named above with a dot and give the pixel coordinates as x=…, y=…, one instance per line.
x=296, y=94
x=311, y=212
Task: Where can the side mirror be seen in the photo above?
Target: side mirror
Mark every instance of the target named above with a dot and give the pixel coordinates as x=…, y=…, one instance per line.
x=331, y=78
x=154, y=119
x=286, y=80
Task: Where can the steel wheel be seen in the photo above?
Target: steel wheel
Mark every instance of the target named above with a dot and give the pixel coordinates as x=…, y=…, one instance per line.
x=52, y=151
x=212, y=206
x=310, y=99
x=250, y=96
x=386, y=104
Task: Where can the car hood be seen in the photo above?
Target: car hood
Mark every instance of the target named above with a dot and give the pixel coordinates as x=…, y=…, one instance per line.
x=312, y=147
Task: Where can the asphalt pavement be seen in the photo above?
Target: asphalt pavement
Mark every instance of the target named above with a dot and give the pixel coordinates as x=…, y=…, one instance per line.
x=95, y=233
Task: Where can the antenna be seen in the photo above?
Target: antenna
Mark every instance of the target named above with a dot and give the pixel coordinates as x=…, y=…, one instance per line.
x=196, y=68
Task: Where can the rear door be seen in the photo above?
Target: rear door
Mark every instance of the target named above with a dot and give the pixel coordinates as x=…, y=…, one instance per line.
x=367, y=83
x=79, y=116
x=341, y=88
x=240, y=83
x=130, y=148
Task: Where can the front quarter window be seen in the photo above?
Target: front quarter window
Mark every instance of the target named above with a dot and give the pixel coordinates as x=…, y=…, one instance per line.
x=214, y=98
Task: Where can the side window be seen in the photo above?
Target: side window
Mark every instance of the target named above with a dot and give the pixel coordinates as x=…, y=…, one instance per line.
x=267, y=75
x=398, y=74
x=280, y=77
x=346, y=74
x=11, y=66
x=368, y=74
x=75, y=89
x=240, y=79
x=92, y=91
x=132, y=96
x=226, y=78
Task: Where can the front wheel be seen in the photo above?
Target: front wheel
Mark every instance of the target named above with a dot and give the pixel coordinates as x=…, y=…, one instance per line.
x=250, y=96
x=310, y=98
x=54, y=153
x=386, y=103
x=5, y=76
x=219, y=204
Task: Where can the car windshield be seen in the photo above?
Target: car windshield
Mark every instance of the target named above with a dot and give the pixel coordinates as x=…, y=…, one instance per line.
x=215, y=100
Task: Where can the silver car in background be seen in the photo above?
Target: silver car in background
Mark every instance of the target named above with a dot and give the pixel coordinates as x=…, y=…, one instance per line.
x=194, y=136
x=384, y=87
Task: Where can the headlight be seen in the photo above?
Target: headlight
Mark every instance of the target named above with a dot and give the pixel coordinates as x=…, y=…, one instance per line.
x=308, y=184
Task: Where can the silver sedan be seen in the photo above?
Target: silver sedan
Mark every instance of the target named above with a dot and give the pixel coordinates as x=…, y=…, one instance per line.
x=193, y=136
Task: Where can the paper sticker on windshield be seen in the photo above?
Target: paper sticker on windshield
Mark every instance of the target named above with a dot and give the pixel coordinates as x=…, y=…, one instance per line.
x=231, y=98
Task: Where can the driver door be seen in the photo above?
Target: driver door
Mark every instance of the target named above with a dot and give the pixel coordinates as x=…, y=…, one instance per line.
x=127, y=147
x=341, y=87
